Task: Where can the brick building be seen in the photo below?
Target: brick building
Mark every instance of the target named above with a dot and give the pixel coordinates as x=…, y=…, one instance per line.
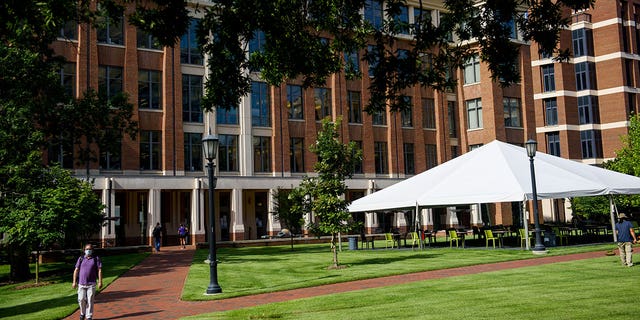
x=575, y=109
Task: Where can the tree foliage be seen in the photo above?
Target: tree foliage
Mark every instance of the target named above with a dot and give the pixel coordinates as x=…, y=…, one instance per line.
x=324, y=195
x=627, y=161
x=306, y=40
x=41, y=205
x=286, y=210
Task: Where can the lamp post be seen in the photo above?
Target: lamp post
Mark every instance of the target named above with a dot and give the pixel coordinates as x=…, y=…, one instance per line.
x=532, y=146
x=210, y=148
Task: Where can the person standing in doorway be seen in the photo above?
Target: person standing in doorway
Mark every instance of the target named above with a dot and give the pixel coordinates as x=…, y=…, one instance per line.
x=87, y=274
x=157, y=236
x=626, y=237
x=182, y=234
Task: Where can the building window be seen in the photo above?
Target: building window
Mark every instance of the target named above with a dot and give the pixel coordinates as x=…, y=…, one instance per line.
x=582, y=42
x=189, y=51
x=548, y=78
x=260, y=113
x=421, y=15
x=355, y=106
x=588, y=109
x=372, y=63
x=296, y=154
x=454, y=152
x=111, y=31
x=431, y=151
x=406, y=115
x=111, y=157
x=68, y=78
x=228, y=153
x=472, y=70
x=261, y=154
x=256, y=44
x=109, y=81
x=409, y=159
x=193, y=151
x=380, y=154
x=150, y=150
x=474, y=146
x=295, y=102
x=402, y=20
x=69, y=31
x=322, y=99
x=379, y=118
x=61, y=152
x=451, y=114
x=191, y=98
x=553, y=143
x=147, y=41
x=585, y=76
x=373, y=13
x=631, y=100
x=591, y=141
x=405, y=65
x=550, y=112
x=149, y=92
x=628, y=70
x=358, y=168
x=512, y=112
x=351, y=63
x=428, y=113
x=227, y=116
x=474, y=113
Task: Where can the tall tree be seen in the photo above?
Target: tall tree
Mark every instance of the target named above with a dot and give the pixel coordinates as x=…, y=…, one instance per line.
x=324, y=195
x=307, y=39
x=34, y=109
x=287, y=210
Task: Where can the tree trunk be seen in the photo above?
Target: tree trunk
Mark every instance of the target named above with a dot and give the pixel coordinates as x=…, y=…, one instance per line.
x=333, y=249
x=19, y=260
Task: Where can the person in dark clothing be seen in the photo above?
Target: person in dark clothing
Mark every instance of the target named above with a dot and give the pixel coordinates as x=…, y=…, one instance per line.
x=157, y=236
x=626, y=237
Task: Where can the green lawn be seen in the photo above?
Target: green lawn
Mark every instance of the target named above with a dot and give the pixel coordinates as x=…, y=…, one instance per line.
x=58, y=299
x=588, y=289
x=252, y=270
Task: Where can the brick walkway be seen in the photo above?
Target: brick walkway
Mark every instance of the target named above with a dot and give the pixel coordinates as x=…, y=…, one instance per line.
x=151, y=290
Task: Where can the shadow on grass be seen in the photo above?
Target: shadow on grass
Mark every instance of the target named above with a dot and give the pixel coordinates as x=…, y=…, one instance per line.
x=387, y=260
x=37, y=306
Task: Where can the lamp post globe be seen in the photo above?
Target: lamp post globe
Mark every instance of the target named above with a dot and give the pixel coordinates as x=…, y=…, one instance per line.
x=210, y=149
x=532, y=146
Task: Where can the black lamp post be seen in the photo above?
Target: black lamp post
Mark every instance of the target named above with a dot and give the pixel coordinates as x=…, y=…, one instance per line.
x=532, y=146
x=210, y=147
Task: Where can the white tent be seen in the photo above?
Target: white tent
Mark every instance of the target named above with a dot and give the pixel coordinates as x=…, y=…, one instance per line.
x=498, y=172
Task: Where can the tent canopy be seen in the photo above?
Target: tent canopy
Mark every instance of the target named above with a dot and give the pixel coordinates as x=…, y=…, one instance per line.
x=498, y=172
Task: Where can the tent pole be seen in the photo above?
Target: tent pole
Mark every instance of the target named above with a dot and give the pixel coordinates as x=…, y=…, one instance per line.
x=416, y=224
x=525, y=222
x=612, y=206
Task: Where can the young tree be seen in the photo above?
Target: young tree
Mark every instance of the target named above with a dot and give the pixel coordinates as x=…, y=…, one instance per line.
x=324, y=195
x=307, y=39
x=288, y=212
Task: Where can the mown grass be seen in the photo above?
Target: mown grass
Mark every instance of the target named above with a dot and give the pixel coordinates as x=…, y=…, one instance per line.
x=253, y=270
x=57, y=299
x=587, y=289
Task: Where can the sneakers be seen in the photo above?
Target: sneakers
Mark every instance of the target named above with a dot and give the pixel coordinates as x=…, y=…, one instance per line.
x=82, y=317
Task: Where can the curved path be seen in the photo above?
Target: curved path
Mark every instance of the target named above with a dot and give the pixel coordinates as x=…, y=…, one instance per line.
x=151, y=290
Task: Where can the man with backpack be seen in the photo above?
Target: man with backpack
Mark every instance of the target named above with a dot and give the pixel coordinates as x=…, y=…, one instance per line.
x=87, y=274
x=182, y=233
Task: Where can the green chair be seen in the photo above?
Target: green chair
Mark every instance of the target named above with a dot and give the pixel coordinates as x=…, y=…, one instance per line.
x=388, y=239
x=415, y=239
x=561, y=236
x=488, y=236
x=453, y=236
x=523, y=237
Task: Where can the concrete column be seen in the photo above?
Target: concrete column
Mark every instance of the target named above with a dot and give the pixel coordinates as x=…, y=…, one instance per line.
x=237, y=223
x=452, y=217
x=401, y=221
x=154, y=214
x=197, y=227
x=476, y=214
x=427, y=218
x=108, y=232
x=245, y=140
x=273, y=225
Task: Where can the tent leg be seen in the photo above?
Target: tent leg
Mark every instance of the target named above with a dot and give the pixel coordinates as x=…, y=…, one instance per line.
x=612, y=206
x=525, y=222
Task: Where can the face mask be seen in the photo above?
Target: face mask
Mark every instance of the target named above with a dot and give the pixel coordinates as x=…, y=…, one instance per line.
x=88, y=252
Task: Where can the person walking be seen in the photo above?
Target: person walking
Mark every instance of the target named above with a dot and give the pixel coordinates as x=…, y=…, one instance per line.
x=182, y=233
x=626, y=236
x=87, y=273
x=157, y=236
